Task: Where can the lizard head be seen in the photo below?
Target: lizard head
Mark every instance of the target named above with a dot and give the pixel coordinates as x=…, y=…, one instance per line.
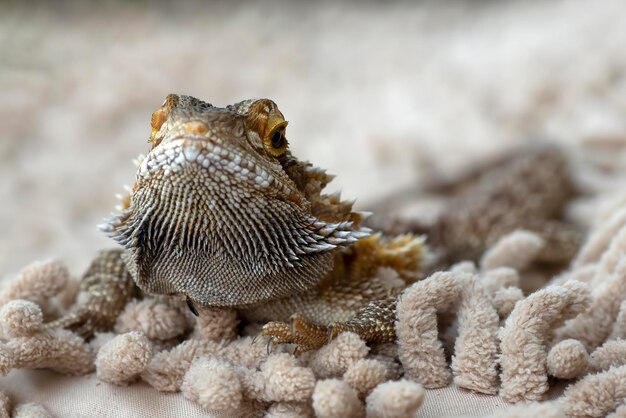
x=223, y=213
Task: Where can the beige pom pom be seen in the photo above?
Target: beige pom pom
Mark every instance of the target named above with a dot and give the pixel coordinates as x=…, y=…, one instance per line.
x=504, y=300
x=499, y=278
x=517, y=250
x=392, y=366
x=5, y=405
x=595, y=325
x=610, y=354
x=420, y=351
x=100, y=339
x=600, y=239
x=620, y=412
x=37, y=282
x=596, y=395
x=216, y=324
x=122, y=359
x=387, y=355
x=31, y=410
x=334, y=358
x=283, y=380
x=399, y=399
x=59, y=350
x=247, y=351
x=156, y=319
x=334, y=398
x=213, y=384
x=475, y=359
x=568, y=359
x=20, y=318
x=62, y=351
x=619, y=327
x=6, y=360
x=289, y=410
x=614, y=254
x=525, y=336
x=587, y=274
x=464, y=267
x=167, y=368
x=364, y=375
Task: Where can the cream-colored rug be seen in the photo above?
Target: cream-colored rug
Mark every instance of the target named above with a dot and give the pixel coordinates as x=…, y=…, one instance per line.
x=92, y=398
x=383, y=95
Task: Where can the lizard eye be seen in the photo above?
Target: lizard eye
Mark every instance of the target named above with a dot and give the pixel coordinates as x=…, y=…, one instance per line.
x=278, y=140
x=275, y=142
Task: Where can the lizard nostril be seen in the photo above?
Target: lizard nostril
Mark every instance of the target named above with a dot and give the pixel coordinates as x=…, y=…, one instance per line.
x=196, y=127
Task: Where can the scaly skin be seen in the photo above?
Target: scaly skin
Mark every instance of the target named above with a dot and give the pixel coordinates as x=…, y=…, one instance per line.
x=105, y=289
x=222, y=213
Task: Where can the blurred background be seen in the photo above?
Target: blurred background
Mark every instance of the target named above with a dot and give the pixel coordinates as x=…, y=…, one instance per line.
x=383, y=94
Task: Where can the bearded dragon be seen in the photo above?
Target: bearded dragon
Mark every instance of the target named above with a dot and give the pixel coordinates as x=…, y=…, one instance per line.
x=222, y=213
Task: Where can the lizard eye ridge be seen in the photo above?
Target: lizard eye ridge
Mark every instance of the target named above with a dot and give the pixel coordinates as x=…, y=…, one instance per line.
x=264, y=119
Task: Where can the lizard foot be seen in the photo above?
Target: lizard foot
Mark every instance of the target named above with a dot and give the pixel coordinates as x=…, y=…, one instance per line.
x=375, y=323
x=105, y=289
x=299, y=331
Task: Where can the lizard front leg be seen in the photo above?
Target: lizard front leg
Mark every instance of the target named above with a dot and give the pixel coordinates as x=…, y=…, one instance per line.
x=528, y=191
x=105, y=289
x=374, y=323
x=358, y=296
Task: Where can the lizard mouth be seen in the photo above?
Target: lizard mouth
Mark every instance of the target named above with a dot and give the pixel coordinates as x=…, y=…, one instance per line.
x=223, y=162
x=186, y=149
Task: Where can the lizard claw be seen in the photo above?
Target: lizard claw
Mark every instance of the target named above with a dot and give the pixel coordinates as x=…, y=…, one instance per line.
x=304, y=334
x=279, y=332
x=192, y=307
x=269, y=345
x=375, y=323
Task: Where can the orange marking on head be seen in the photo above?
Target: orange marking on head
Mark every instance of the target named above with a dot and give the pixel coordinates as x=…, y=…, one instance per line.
x=196, y=127
x=160, y=116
